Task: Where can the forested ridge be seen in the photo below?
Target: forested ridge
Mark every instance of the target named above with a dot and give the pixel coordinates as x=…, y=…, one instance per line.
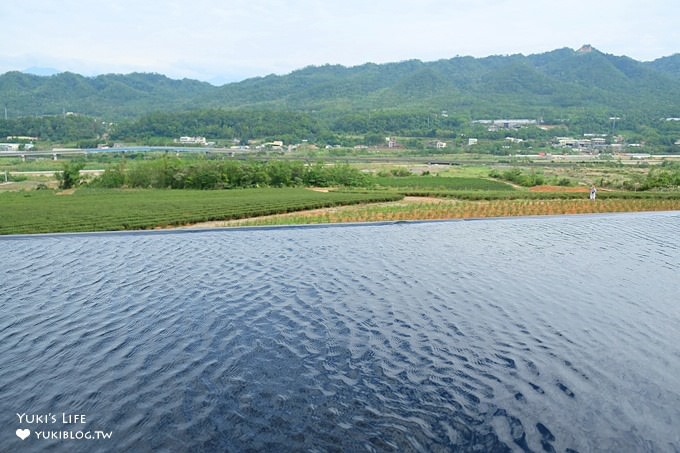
x=581, y=89
x=552, y=83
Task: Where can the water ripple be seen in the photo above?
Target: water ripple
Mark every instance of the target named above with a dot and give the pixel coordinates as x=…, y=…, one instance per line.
x=551, y=334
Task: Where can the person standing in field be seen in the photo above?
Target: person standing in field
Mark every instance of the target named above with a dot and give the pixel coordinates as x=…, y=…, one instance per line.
x=593, y=192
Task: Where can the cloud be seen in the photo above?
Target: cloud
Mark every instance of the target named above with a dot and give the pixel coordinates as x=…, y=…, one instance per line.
x=214, y=38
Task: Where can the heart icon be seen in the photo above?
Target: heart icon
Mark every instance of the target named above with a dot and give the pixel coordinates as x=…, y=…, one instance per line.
x=23, y=433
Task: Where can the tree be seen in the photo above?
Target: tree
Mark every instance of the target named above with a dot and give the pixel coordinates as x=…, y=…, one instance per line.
x=70, y=175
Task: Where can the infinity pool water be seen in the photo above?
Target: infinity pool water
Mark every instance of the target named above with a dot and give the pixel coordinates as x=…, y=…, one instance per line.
x=530, y=334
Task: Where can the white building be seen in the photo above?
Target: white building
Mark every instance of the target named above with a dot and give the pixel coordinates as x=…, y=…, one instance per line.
x=9, y=146
x=506, y=124
x=192, y=141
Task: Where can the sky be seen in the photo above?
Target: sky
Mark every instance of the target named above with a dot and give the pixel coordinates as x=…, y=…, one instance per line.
x=222, y=41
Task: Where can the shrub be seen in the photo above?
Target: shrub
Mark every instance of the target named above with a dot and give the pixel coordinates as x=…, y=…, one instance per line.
x=70, y=175
x=400, y=172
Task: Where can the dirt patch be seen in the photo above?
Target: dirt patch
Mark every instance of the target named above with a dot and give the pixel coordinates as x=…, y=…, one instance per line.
x=66, y=192
x=547, y=188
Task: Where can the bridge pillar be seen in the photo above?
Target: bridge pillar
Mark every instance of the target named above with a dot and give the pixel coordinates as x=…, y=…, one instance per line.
x=23, y=157
x=54, y=156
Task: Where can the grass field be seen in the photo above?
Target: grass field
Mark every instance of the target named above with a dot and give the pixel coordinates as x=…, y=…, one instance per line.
x=110, y=210
x=442, y=183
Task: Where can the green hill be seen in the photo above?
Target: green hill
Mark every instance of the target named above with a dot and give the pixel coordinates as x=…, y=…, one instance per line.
x=551, y=83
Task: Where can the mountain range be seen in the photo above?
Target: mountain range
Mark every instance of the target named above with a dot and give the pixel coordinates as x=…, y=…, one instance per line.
x=552, y=83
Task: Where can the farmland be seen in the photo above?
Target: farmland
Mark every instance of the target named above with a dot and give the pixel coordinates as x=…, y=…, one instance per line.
x=160, y=191
x=112, y=210
x=441, y=182
x=421, y=208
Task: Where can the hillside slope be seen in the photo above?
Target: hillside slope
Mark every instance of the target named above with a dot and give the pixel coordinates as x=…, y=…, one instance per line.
x=515, y=85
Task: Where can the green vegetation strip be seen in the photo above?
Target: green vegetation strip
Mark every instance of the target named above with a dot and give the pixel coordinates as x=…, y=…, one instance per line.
x=112, y=210
x=442, y=182
x=526, y=195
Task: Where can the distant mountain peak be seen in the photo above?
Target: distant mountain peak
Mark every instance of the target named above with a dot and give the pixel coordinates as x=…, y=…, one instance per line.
x=586, y=48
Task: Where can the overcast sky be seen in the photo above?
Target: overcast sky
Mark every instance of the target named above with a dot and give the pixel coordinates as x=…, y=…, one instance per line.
x=230, y=40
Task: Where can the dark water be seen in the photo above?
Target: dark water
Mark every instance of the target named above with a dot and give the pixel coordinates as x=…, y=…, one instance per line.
x=535, y=334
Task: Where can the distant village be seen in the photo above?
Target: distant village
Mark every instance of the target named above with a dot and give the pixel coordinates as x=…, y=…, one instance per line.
x=589, y=144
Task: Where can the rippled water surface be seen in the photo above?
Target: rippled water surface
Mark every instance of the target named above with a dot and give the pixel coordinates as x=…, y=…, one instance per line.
x=533, y=334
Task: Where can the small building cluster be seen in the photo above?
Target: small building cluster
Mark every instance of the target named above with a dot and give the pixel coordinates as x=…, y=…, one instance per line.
x=193, y=141
x=24, y=143
x=496, y=125
x=581, y=144
x=12, y=147
x=9, y=147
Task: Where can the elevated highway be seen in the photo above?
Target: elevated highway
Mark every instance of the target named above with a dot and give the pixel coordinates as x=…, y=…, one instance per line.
x=56, y=152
